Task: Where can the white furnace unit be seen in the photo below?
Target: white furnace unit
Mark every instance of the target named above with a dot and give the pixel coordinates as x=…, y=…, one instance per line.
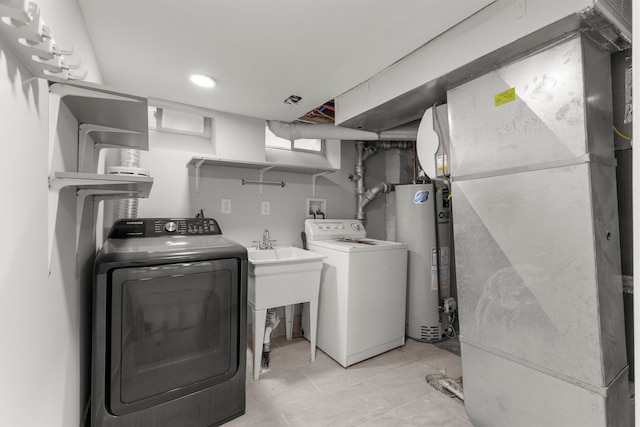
x=361, y=308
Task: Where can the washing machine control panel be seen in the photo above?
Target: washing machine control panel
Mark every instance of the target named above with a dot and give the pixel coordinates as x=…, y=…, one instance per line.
x=152, y=227
x=323, y=229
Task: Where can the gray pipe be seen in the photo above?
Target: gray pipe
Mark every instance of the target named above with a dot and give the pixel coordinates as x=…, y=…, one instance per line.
x=372, y=193
x=363, y=152
x=272, y=322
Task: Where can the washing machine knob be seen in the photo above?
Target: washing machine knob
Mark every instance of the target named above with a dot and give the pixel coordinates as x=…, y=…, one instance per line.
x=170, y=227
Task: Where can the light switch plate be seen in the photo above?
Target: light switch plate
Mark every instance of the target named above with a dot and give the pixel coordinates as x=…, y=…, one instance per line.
x=266, y=208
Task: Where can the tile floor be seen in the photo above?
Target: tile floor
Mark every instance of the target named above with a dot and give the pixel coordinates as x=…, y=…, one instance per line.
x=387, y=390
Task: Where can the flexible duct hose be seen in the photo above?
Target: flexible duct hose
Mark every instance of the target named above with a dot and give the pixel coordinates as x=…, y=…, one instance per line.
x=128, y=208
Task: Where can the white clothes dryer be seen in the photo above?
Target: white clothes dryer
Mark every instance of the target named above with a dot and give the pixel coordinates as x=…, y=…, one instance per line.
x=361, y=307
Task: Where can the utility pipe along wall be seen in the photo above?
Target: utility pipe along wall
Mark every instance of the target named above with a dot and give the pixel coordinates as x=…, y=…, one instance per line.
x=401, y=137
x=363, y=152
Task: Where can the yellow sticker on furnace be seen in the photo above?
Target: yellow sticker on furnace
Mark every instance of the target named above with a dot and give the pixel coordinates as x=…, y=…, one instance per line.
x=504, y=97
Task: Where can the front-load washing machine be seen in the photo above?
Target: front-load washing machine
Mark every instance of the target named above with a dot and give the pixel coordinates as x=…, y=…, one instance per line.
x=361, y=307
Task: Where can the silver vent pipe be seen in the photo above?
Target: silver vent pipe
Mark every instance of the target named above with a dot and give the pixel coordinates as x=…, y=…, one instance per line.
x=293, y=131
x=129, y=164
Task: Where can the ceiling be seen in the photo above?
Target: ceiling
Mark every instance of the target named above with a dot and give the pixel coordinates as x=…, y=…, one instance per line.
x=260, y=52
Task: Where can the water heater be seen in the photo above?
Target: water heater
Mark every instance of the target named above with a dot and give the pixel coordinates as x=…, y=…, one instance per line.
x=422, y=222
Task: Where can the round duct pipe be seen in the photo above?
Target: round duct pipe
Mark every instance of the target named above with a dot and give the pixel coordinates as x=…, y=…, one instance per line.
x=129, y=165
x=293, y=131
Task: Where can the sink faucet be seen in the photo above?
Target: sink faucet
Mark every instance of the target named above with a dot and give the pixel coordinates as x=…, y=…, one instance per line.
x=266, y=242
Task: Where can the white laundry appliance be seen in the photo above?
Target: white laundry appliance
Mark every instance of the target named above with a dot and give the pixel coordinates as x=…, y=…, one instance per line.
x=361, y=307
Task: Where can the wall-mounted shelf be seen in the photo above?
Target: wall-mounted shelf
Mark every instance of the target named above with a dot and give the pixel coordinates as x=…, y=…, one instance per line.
x=129, y=186
x=99, y=187
x=105, y=118
x=199, y=162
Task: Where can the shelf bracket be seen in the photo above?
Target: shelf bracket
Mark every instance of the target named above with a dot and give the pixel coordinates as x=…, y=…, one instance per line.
x=314, y=177
x=97, y=195
x=54, y=196
x=198, y=165
x=83, y=137
x=261, y=176
x=88, y=185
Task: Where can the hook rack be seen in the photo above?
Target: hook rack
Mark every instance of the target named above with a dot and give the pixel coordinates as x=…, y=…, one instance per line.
x=32, y=41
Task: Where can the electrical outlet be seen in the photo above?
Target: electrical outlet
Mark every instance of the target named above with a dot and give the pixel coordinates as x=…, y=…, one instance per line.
x=225, y=206
x=266, y=208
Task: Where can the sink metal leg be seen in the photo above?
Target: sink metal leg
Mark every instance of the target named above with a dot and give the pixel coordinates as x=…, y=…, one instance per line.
x=288, y=321
x=259, y=321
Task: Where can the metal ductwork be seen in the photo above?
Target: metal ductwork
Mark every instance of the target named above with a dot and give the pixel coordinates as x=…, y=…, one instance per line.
x=293, y=131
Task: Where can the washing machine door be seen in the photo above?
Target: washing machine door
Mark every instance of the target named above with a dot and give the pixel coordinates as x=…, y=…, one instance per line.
x=173, y=330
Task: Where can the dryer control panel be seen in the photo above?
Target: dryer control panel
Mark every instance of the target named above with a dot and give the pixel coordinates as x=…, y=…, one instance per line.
x=153, y=227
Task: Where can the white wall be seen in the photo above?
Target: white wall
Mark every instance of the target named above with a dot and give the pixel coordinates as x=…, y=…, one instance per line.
x=43, y=299
x=40, y=361
x=173, y=193
x=246, y=223
x=68, y=29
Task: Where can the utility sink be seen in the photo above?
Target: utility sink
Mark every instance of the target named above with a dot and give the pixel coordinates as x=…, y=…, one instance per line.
x=282, y=277
x=282, y=260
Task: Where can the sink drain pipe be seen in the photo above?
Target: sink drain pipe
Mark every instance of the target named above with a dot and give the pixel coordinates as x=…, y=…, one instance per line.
x=272, y=323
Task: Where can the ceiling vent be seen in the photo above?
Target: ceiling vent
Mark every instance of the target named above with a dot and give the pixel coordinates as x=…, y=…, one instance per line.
x=293, y=100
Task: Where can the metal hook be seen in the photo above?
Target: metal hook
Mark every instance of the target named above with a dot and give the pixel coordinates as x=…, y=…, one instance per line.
x=60, y=51
x=73, y=76
x=74, y=66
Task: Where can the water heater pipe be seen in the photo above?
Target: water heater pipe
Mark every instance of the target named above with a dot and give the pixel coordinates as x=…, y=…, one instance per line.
x=372, y=193
x=363, y=152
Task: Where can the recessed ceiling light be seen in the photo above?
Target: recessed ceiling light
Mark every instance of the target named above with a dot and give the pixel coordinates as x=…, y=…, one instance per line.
x=202, y=80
